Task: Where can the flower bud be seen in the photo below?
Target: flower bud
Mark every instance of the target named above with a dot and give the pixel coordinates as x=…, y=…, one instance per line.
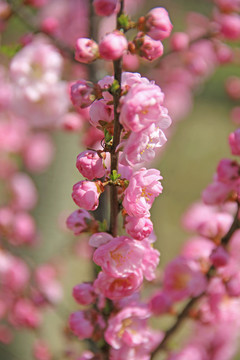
x=113, y=46
x=84, y=293
x=229, y=26
x=158, y=24
x=83, y=93
x=147, y=47
x=104, y=7
x=90, y=165
x=77, y=221
x=86, y=194
x=234, y=142
x=86, y=50
x=179, y=41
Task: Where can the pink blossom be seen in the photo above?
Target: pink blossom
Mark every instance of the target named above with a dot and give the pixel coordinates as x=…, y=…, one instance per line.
x=113, y=46
x=49, y=286
x=35, y=67
x=98, y=239
x=119, y=287
x=219, y=257
x=229, y=25
x=81, y=324
x=86, y=194
x=38, y=152
x=138, y=228
x=147, y=47
x=14, y=272
x=24, y=192
x=25, y=314
x=234, y=142
x=84, y=293
x=24, y=229
x=141, y=147
x=129, y=328
x=160, y=303
x=78, y=221
x=198, y=249
x=233, y=285
x=158, y=24
x=86, y=355
x=100, y=113
x=130, y=62
x=72, y=122
x=142, y=106
x=83, y=93
x=105, y=7
x=182, y=278
x=179, y=41
x=143, y=187
x=86, y=50
x=216, y=193
x=233, y=87
x=190, y=351
x=41, y=350
x=228, y=5
x=227, y=170
x=90, y=165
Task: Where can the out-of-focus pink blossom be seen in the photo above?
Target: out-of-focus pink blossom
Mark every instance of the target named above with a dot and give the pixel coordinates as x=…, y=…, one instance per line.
x=80, y=323
x=78, y=221
x=235, y=115
x=158, y=24
x=143, y=187
x=229, y=25
x=228, y=5
x=90, y=165
x=160, y=303
x=113, y=46
x=41, y=350
x=219, y=257
x=86, y=50
x=25, y=314
x=24, y=192
x=234, y=142
x=86, y=194
x=72, y=122
x=233, y=87
x=105, y=7
x=179, y=41
x=84, y=293
x=182, y=278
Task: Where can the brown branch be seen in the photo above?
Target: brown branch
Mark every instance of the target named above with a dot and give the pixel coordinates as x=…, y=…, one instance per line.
x=184, y=313
x=116, y=138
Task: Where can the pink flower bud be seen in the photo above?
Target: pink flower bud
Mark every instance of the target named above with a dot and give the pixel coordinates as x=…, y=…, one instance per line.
x=227, y=170
x=84, y=293
x=86, y=194
x=100, y=113
x=138, y=228
x=104, y=7
x=179, y=41
x=86, y=50
x=83, y=93
x=81, y=325
x=147, y=47
x=78, y=221
x=219, y=257
x=158, y=24
x=113, y=46
x=234, y=142
x=90, y=165
x=229, y=26
x=160, y=303
x=50, y=25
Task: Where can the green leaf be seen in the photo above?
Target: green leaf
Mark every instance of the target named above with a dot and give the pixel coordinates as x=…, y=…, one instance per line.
x=102, y=226
x=114, y=176
x=107, y=136
x=10, y=50
x=123, y=20
x=115, y=86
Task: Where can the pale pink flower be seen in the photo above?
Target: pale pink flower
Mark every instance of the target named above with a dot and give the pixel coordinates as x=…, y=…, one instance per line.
x=78, y=221
x=198, y=249
x=86, y=50
x=142, y=106
x=158, y=24
x=83, y=93
x=38, y=152
x=113, y=46
x=100, y=113
x=182, y=279
x=25, y=314
x=99, y=239
x=216, y=193
x=120, y=256
x=84, y=293
x=179, y=41
x=35, y=67
x=129, y=328
x=120, y=287
x=49, y=286
x=143, y=187
x=86, y=194
x=138, y=228
x=105, y=7
x=147, y=47
x=90, y=165
x=23, y=230
x=24, y=192
x=72, y=122
x=141, y=147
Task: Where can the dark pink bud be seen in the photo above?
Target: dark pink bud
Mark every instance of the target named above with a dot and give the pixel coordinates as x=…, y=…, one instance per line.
x=104, y=7
x=86, y=50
